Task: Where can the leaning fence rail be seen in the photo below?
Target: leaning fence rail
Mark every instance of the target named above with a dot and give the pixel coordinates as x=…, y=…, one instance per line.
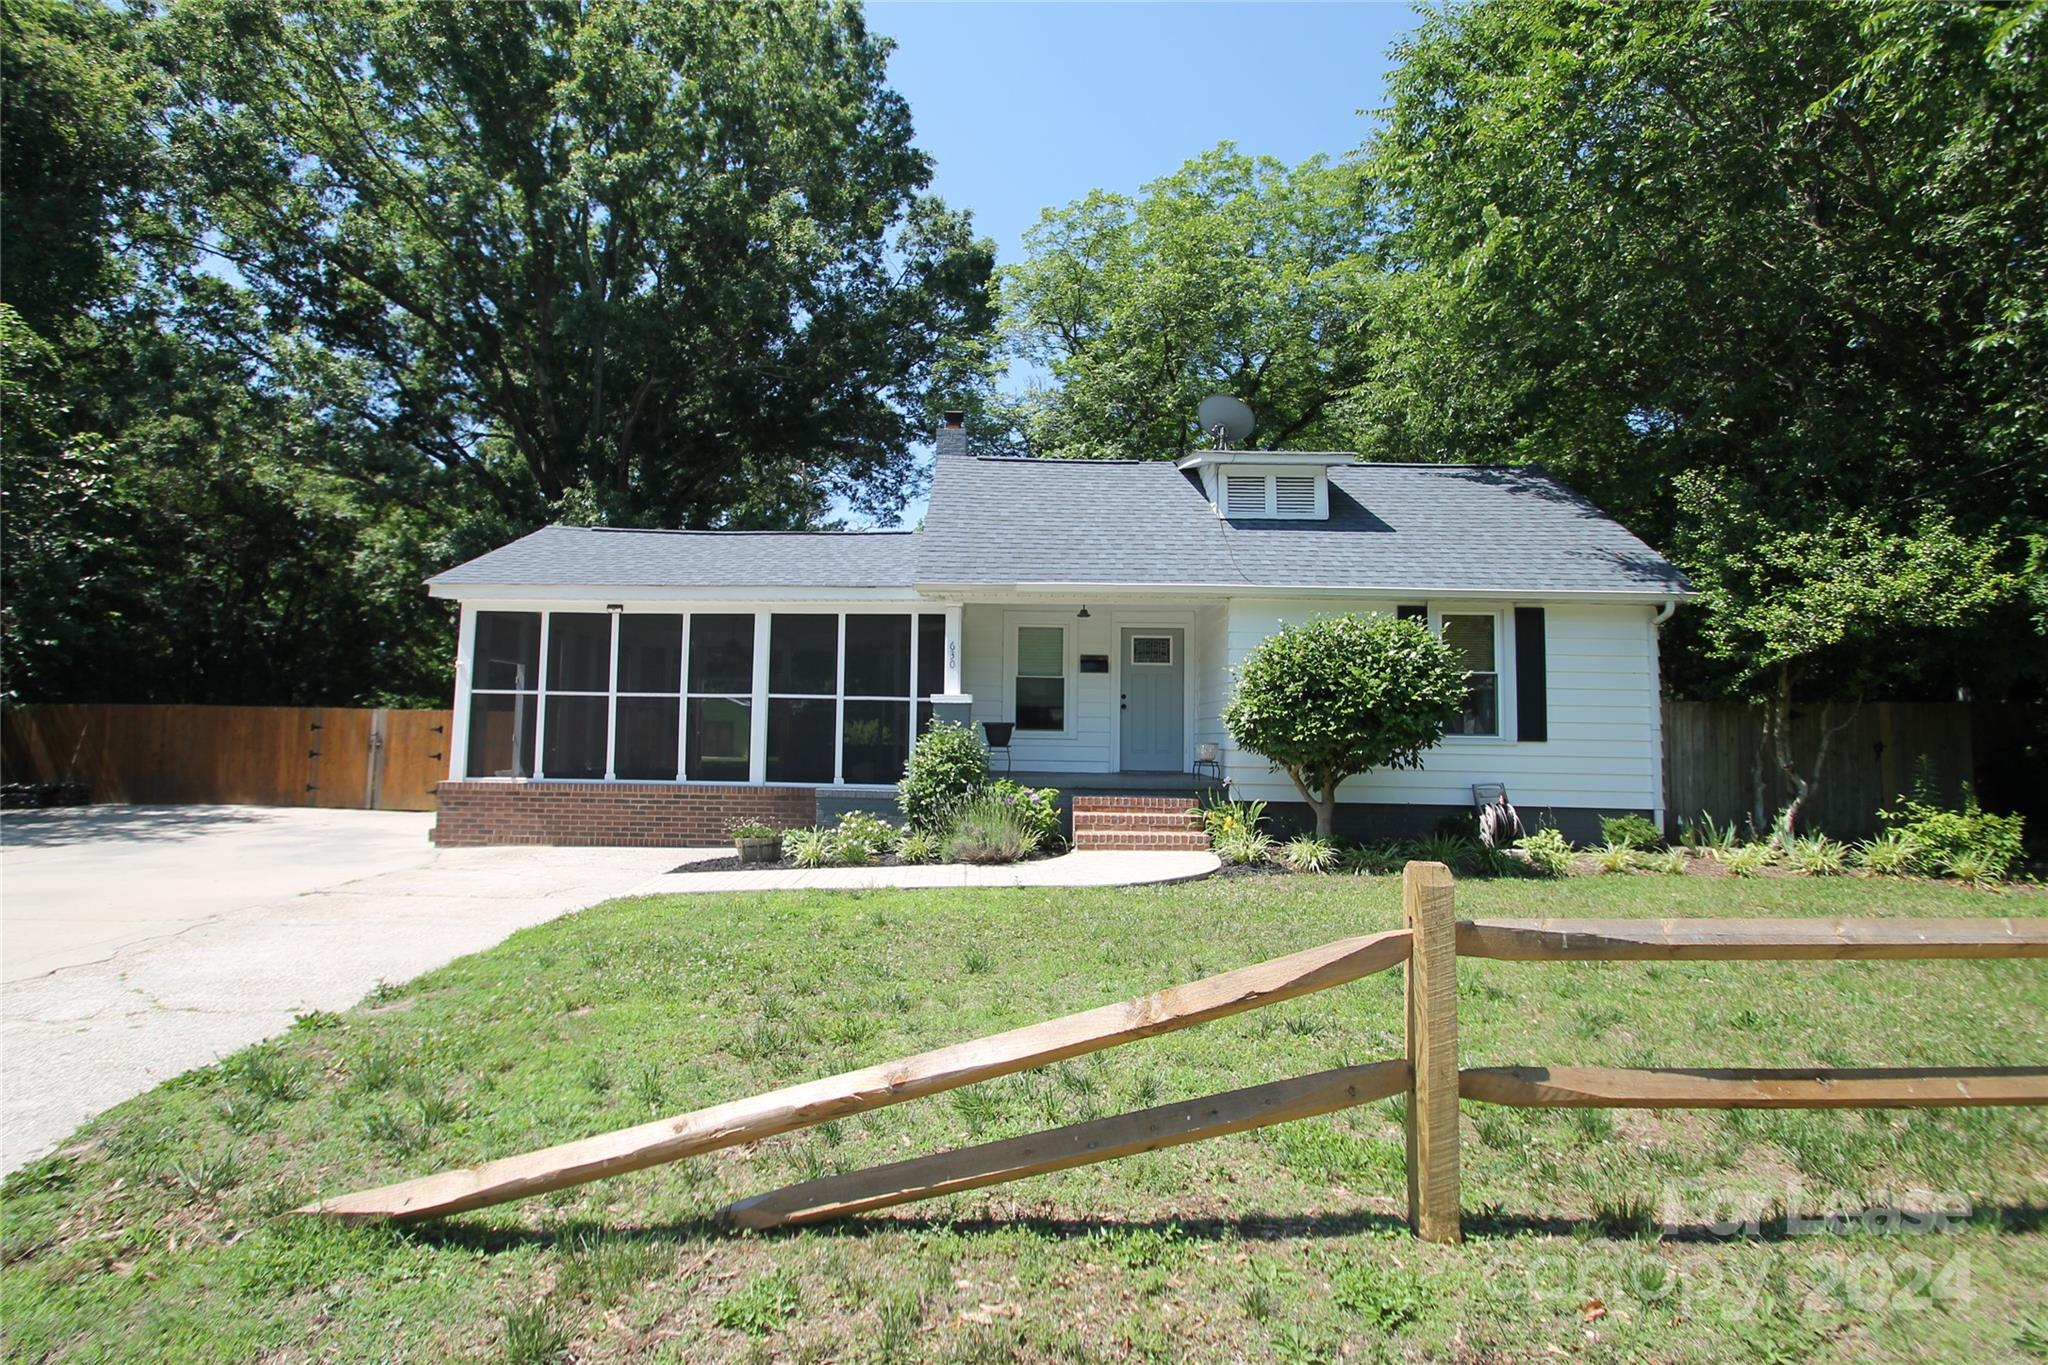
x=1430, y=943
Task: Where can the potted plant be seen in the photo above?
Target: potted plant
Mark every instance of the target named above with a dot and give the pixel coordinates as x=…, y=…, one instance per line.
x=756, y=842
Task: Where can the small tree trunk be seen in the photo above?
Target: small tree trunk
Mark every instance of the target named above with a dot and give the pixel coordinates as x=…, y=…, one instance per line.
x=1324, y=806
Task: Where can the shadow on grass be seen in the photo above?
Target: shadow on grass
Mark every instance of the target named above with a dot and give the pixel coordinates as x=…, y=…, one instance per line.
x=1484, y=1225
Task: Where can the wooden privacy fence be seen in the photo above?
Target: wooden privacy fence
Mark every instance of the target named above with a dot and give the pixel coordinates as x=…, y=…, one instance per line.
x=1430, y=943
x=346, y=757
x=1714, y=762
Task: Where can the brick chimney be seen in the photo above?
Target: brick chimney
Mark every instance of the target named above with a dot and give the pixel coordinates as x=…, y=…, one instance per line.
x=953, y=434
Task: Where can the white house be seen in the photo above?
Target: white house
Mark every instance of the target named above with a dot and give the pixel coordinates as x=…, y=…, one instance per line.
x=650, y=686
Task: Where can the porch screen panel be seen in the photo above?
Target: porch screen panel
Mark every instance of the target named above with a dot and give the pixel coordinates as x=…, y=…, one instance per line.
x=504, y=694
x=719, y=721
x=931, y=666
x=876, y=705
x=647, y=713
x=1041, y=678
x=803, y=696
x=577, y=705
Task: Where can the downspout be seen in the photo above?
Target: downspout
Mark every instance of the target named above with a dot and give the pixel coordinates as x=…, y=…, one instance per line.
x=1664, y=612
x=1660, y=814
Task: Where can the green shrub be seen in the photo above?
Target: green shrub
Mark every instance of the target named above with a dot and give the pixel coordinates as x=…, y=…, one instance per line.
x=1244, y=847
x=1630, y=831
x=987, y=829
x=750, y=829
x=1747, y=860
x=809, y=847
x=1373, y=860
x=1816, y=855
x=1706, y=837
x=1307, y=853
x=1890, y=854
x=1221, y=818
x=1039, y=807
x=1550, y=853
x=1988, y=845
x=947, y=766
x=918, y=846
x=860, y=838
x=1458, y=852
x=1614, y=857
x=1335, y=696
x=1671, y=862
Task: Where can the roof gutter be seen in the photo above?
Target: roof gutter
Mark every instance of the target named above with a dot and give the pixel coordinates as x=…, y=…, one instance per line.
x=1664, y=598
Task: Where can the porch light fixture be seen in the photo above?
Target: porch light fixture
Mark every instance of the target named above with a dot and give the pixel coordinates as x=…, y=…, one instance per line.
x=1083, y=613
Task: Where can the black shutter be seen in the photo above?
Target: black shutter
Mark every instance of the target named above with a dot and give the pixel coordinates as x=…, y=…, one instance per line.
x=1532, y=690
x=1411, y=613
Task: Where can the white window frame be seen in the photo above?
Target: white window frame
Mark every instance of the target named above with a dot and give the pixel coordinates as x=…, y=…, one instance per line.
x=534, y=695
x=609, y=692
x=1069, y=652
x=1138, y=634
x=618, y=694
x=1503, y=668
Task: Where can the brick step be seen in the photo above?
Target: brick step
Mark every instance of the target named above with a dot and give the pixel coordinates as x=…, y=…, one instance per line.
x=1136, y=820
x=1140, y=841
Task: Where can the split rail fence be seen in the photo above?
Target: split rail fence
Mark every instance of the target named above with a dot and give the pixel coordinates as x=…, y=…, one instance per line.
x=1429, y=944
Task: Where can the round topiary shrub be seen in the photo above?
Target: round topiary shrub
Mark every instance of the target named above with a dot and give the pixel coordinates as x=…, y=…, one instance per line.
x=1336, y=696
x=947, y=766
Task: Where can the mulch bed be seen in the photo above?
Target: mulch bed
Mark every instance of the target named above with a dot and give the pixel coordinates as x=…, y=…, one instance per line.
x=731, y=863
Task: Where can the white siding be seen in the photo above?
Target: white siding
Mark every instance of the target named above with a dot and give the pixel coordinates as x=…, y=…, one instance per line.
x=1604, y=723
x=987, y=651
x=1211, y=661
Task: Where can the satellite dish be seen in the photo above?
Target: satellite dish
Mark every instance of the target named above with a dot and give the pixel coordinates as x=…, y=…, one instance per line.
x=1225, y=419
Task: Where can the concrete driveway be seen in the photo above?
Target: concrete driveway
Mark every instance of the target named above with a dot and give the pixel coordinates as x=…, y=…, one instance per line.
x=137, y=942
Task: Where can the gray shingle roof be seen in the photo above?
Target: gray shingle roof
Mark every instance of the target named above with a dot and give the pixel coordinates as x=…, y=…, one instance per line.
x=1471, y=528
x=574, y=556
x=1455, y=527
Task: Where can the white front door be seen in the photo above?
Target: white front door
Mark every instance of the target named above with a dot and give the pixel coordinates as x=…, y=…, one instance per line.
x=1153, y=722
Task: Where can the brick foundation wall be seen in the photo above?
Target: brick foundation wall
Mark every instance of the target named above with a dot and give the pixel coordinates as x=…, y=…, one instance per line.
x=626, y=814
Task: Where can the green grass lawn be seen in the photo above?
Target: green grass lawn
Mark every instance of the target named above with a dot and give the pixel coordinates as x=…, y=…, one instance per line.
x=156, y=1234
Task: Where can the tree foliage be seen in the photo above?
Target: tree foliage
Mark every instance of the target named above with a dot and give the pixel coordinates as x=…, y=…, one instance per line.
x=670, y=261
x=1335, y=696
x=1687, y=246
x=1235, y=274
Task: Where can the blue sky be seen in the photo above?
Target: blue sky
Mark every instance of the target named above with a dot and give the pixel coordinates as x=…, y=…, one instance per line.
x=1029, y=106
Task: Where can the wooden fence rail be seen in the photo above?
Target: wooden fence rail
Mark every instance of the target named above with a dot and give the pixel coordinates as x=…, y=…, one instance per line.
x=1429, y=944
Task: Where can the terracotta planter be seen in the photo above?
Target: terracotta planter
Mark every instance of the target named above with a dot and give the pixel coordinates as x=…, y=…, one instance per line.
x=762, y=850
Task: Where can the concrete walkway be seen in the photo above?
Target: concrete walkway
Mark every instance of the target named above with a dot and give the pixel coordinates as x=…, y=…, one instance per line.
x=137, y=942
x=1072, y=869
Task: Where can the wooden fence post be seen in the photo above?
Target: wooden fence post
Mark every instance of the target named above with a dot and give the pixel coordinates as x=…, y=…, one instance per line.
x=1428, y=907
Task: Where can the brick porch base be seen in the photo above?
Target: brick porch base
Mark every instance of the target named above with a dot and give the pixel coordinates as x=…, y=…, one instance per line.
x=629, y=814
x=1137, y=822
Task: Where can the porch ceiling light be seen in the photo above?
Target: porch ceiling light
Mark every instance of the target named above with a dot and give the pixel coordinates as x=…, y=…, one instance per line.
x=1083, y=613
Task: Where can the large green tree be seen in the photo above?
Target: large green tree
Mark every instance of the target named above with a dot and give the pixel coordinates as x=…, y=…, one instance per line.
x=1235, y=274
x=1679, y=248
x=658, y=263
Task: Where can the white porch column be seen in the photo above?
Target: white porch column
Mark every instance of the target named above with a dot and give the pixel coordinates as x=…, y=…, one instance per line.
x=458, y=723
x=757, y=738
x=953, y=650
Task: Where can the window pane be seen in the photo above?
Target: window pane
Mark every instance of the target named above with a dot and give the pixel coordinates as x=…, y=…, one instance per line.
x=1482, y=707
x=803, y=655
x=1041, y=703
x=800, y=739
x=721, y=732
x=1041, y=651
x=575, y=737
x=646, y=746
x=579, y=651
x=1151, y=649
x=877, y=740
x=507, y=650
x=1471, y=639
x=650, y=654
x=877, y=656
x=931, y=655
x=722, y=654
x=924, y=716
x=501, y=734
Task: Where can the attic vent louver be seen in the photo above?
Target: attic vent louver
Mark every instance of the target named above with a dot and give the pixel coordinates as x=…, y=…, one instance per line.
x=1294, y=495
x=1244, y=495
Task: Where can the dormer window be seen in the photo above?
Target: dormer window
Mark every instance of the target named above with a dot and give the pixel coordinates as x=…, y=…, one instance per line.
x=1261, y=485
